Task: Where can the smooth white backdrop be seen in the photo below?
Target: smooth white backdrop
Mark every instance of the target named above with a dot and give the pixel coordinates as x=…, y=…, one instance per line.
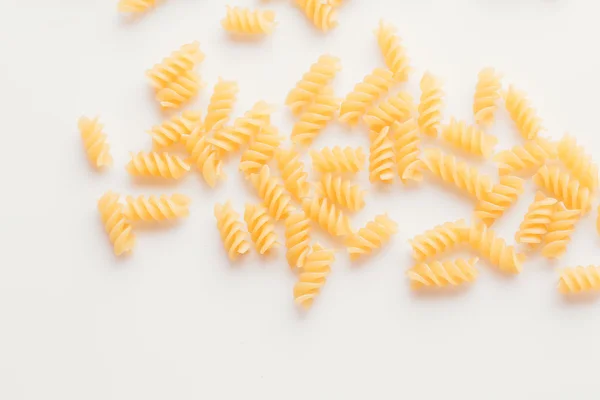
x=176, y=319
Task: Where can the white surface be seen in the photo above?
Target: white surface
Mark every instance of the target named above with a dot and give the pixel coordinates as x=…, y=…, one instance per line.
x=176, y=319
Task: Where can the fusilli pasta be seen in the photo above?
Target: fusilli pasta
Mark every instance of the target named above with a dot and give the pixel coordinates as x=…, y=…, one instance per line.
x=204, y=155
x=178, y=62
x=469, y=138
x=244, y=20
x=297, y=238
x=135, y=6
x=405, y=137
x=398, y=107
x=528, y=157
x=94, y=142
x=535, y=223
x=443, y=273
x=579, y=279
x=439, y=240
x=338, y=159
x=119, y=230
x=559, y=231
x=374, y=235
x=393, y=51
x=521, y=112
x=487, y=94
x=235, y=239
x=179, y=91
x=172, y=130
x=327, y=215
x=342, y=192
x=502, y=196
x=495, y=249
x=364, y=94
x=277, y=201
x=381, y=158
x=221, y=103
x=578, y=162
x=430, y=107
x=261, y=150
x=316, y=117
x=158, y=165
x=261, y=228
x=323, y=16
x=564, y=188
x=295, y=179
x=143, y=208
x=313, y=275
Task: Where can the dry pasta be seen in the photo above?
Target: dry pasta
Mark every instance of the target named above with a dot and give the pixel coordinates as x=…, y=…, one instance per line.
x=469, y=138
x=338, y=159
x=405, y=137
x=374, y=235
x=297, y=238
x=487, y=94
x=528, y=157
x=152, y=208
x=135, y=6
x=342, y=192
x=261, y=228
x=235, y=239
x=261, y=150
x=221, y=103
x=495, y=249
x=204, y=155
x=564, y=188
x=430, y=107
x=364, y=94
x=177, y=63
x=174, y=129
x=323, y=16
x=244, y=20
x=578, y=162
x=94, y=142
x=179, y=91
x=535, y=223
x=559, y=231
x=313, y=275
x=295, y=179
x=398, y=107
x=158, y=165
x=393, y=51
x=579, y=279
x=502, y=196
x=439, y=240
x=438, y=274
x=277, y=201
x=118, y=229
x=327, y=215
x=381, y=159
x=316, y=117
x=524, y=116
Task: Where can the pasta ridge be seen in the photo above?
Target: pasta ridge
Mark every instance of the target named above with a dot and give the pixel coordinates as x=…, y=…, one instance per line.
x=323, y=16
x=179, y=91
x=320, y=74
x=381, y=158
x=439, y=240
x=469, y=138
x=578, y=162
x=316, y=117
x=174, y=129
x=135, y=6
x=221, y=104
x=487, y=94
x=178, y=62
x=152, y=208
x=342, y=192
x=535, y=223
x=327, y=215
x=233, y=236
x=297, y=238
x=272, y=193
x=393, y=51
x=313, y=275
x=364, y=94
x=495, y=249
x=261, y=150
x=394, y=108
x=204, y=155
x=525, y=117
x=244, y=20
x=406, y=142
x=560, y=184
x=159, y=165
x=295, y=179
x=374, y=235
x=430, y=107
x=262, y=230
x=502, y=196
x=119, y=231
x=443, y=273
x=579, y=279
x=561, y=227
x=94, y=142
x=533, y=154
x=338, y=159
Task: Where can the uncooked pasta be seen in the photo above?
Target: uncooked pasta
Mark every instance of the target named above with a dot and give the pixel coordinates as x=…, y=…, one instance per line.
x=502, y=196
x=120, y=232
x=565, y=188
x=320, y=74
x=439, y=240
x=374, y=235
x=381, y=159
x=524, y=116
x=297, y=238
x=487, y=94
x=398, y=107
x=535, y=223
x=327, y=215
x=393, y=51
x=579, y=279
x=295, y=179
x=204, y=155
x=261, y=228
x=525, y=158
x=430, y=107
x=177, y=63
x=180, y=91
x=94, y=142
x=313, y=275
x=469, y=138
x=559, y=231
x=261, y=150
x=275, y=198
x=158, y=165
x=233, y=235
x=365, y=94
x=152, y=208
x=495, y=249
x=246, y=21
x=316, y=117
x=172, y=130
x=323, y=16
x=438, y=274
x=341, y=191
x=579, y=163
x=338, y=160
x=406, y=141
x=221, y=104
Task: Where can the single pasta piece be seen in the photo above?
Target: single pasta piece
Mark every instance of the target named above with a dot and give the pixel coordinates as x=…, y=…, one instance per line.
x=172, y=130
x=323, y=16
x=180, y=61
x=341, y=192
x=406, y=141
x=469, y=138
x=119, y=230
x=564, y=188
x=374, y=235
x=535, y=223
x=487, y=94
x=327, y=215
x=561, y=227
x=204, y=155
x=261, y=228
x=502, y=196
x=430, y=107
x=261, y=150
x=180, y=91
x=94, y=142
x=338, y=160
x=158, y=165
x=381, y=159
x=297, y=238
x=221, y=103
x=457, y=173
x=277, y=201
x=524, y=116
x=364, y=94
x=235, y=239
x=579, y=279
x=320, y=74
x=316, y=117
x=439, y=240
x=443, y=273
x=393, y=51
x=244, y=20
x=313, y=275
x=495, y=249
x=135, y=6
x=143, y=208
x=295, y=179
x=395, y=108
x=526, y=158
x=578, y=162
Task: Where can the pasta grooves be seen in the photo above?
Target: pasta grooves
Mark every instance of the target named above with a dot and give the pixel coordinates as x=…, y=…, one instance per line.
x=221, y=104
x=393, y=51
x=156, y=209
x=531, y=155
x=119, y=231
x=495, y=249
x=338, y=160
x=232, y=234
x=499, y=199
x=322, y=15
x=439, y=240
x=579, y=163
x=371, y=237
x=313, y=275
x=579, y=279
x=558, y=236
x=246, y=21
x=179, y=62
x=315, y=118
x=487, y=94
x=342, y=192
x=261, y=228
x=205, y=157
x=181, y=90
x=430, y=107
x=381, y=159
x=157, y=165
x=327, y=216
x=444, y=273
x=469, y=138
x=295, y=179
x=171, y=131
x=261, y=150
x=297, y=240
x=567, y=189
x=94, y=142
x=406, y=141
x=364, y=94
x=135, y=6
x=395, y=108
x=524, y=116
x=320, y=74
x=273, y=194
x=536, y=220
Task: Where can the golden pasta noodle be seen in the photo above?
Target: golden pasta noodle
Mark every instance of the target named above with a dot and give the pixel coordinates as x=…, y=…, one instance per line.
x=261, y=228
x=438, y=274
x=578, y=162
x=180, y=91
x=502, y=196
x=118, y=229
x=439, y=240
x=374, y=235
x=172, y=130
x=526, y=158
x=393, y=51
x=341, y=192
x=495, y=249
x=277, y=201
x=177, y=63
x=579, y=279
x=244, y=20
x=135, y=6
x=398, y=107
x=430, y=107
x=381, y=159
x=561, y=227
x=365, y=94
x=295, y=179
x=297, y=238
x=327, y=215
x=406, y=142
x=598, y=221
x=94, y=142
x=338, y=159
x=261, y=150
x=235, y=239
x=204, y=155
x=221, y=103
x=487, y=94
x=316, y=117
x=152, y=208
x=469, y=138
x=565, y=188
x=323, y=16
x=535, y=223
x=320, y=74
x=524, y=116
x=158, y=165
x=313, y=275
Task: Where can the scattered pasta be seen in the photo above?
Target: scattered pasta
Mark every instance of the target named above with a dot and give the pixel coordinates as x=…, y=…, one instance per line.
x=579, y=279
x=398, y=107
x=526, y=158
x=327, y=215
x=235, y=239
x=297, y=238
x=374, y=235
x=295, y=179
x=469, y=138
x=323, y=16
x=495, y=249
x=174, y=129
x=180, y=61
x=578, y=162
x=438, y=274
x=439, y=240
x=154, y=208
x=158, y=165
x=521, y=112
x=313, y=275
x=487, y=94
x=179, y=91
x=338, y=159
x=246, y=21
x=320, y=74
x=221, y=103
x=559, y=231
x=261, y=150
x=535, y=223
x=204, y=155
x=364, y=94
x=118, y=229
x=393, y=51
x=381, y=159
x=94, y=142
x=405, y=137
x=261, y=228
x=341, y=192
x=564, y=188
x=316, y=117
x=430, y=107
x=277, y=201
x=502, y=196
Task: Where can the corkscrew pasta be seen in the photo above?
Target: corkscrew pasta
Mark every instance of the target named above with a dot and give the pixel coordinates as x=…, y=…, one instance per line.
x=94, y=142
x=261, y=228
x=221, y=103
x=338, y=159
x=578, y=162
x=559, y=231
x=205, y=157
x=439, y=240
x=364, y=94
x=438, y=274
x=118, y=229
x=135, y=6
x=528, y=157
x=430, y=107
x=316, y=117
x=381, y=158
x=235, y=239
x=327, y=215
x=393, y=51
x=261, y=150
x=297, y=238
x=323, y=16
x=374, y=235
x=313, y=275
x=406, y=142
x=524, y=116
x=487, y=94
x=158, y=165
x=398, y=107
x=495, y=249
x=320, y=74
x=246, y=21
x=152, y=208
x=177, y=63
x=471, y=139
x=564, y=188
x=179, y=91
x=295, y=179
x=172, y=130
x=579, y=279
x=502, y=196
x=535, y=223
x=277, y=201
x=341, y=192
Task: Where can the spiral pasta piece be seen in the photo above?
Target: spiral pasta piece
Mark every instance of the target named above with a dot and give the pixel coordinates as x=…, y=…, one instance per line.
x=235, y=239
x=204, y=155
x=177, y=63
x=564, y=188
x=374, y=235
x=502, y=196
x=277, y=201
x=323, y=16
x=528, y=157
x=495, y=249
x=430, y=107
x=406, y=142
x=221, y=103
x=578, y=162
x=338, y=160
x=135, y=6
x=261, y=150
x=94, y=142
x=364, y=94
x=154, y=208
x=535, y=223
x=327, y=215
x=180, y=91
x=158, y=165
x=469, y=138
x=341, y=192
x=393, y=51
x=313, y=275
x=398, y=107
x=261, y=228
x=297, y=238
x=579, y=279
x=244, y=20
x=316, y=117
x=443, y=273
x=172, y=130
x=439, y=240
x=559, y=231
x=118, y=229
x=381, y=159
x=295, y=179
x=524, y=116
x=487, y=94
x=320, y=74
x=457, y=173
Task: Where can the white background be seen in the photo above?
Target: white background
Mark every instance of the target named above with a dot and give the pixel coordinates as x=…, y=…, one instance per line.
x=176, y=320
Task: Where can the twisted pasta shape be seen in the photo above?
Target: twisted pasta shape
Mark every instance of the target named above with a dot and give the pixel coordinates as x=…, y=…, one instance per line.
x=273, y=194
x=563, y=187
x=393, y=51
x=178, y=62
x=179, y=91
x=439, y=240
x=430, y=107
x=244, y=20
x=487, y=94
x=535, y=223
x=502, y=196
x=381, y=159
x=374, y=235
x=561, y=227
x=337, y=159
x=323, y=16
x=221, y=103
x=579, y=279
x=313, y=275
x=292, y=172
x=395, y=108
x=154, y=208
x=135, y=6
x=119, y=230
x=525, y=117
x=320, y=74
x=204, y=155
x=528, y=157
x=261, y=150
x=262, y=230
x=443, y=273
x=297, y=238
x=578, y=162
x=405, y=137
x=364, y=94
x=469, y=138
x=342, y=192
x=495, y=249
x=316, y=117
x=159, y=165
x=458, y=173
x=94, y=142
x=235, y=239
x=172, y=130
x=327, y=215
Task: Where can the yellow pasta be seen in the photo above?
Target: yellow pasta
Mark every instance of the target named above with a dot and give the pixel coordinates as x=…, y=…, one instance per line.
x=316, y=117
x=487, y=94
x=564, y=188
x=524, y=116
x=398, y=107
x=469, y=138
x=261, y=228
x=179, y=91
x=393, y=51
x=204, y=155
x=235, y=239
x=277, y=201
x=327, y=215
x=430, y=107
x=320, y=74
x=158, y=165
x=221, y=103
x=374, y=235
x=381, y=159
x=154, y=208
x=439, y=240
x=578, y=162
x=323, y=16
x=495, y=249
x=172, y=130
x=297, y=238
x=180, y=61
x=598, y=221
x=261, y=150
x=502, y=196
x=244, y=20
x=438, y=274
x=535, y=223
x=338, y=159
x=118, y=229
x=561, y=227
x=579, y=279
x=526, y=158
x=295, y=179
x=364, y=94
x=135, y=6
x=406, y=141
x=342, y=192
x=94, y=142
x=313, y=275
